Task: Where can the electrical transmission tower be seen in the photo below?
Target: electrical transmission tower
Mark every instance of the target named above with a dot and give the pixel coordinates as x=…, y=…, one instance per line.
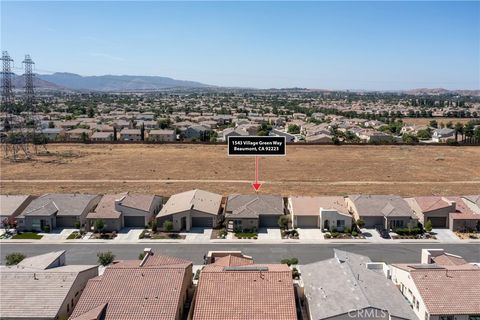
x=29, y=92
x=7, y=89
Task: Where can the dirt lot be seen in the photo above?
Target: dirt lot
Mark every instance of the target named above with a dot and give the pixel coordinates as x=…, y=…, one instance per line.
x=310, y=170
x=426, y=121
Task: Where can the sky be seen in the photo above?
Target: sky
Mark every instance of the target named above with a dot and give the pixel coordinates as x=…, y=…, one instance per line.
x=382, y=45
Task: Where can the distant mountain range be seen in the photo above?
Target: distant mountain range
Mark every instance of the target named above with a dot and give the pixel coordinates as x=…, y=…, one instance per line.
x=116, y=83
x=126, y=83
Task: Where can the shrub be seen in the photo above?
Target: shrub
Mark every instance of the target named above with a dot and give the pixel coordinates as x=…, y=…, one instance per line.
x=283, y=222
x=360, y=223
x=408, y=231
x=335, y=234
x=347, y=230
x=14, y=258
x=141, y=256
x=46, y=229
x=328, y=236
x=99, y=225
x=168, y=225
x=77, y=224
x=428, y=226
x=105, y=258
x=295, y=273
x=154, y=225
x=289, y=261
x=354, y=233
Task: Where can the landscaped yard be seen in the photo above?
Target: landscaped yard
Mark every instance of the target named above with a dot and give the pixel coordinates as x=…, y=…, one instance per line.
x=27, y=235
x=74, y=235
x=160, y=235
x=246, y=235
x=468, y=235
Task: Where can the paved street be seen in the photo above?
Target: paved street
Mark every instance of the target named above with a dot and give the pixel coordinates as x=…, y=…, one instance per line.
x=83, y=253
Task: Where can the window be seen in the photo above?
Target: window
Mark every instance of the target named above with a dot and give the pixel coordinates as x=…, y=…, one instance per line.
x=474, y=317
x=445, y=318
x=340, y=224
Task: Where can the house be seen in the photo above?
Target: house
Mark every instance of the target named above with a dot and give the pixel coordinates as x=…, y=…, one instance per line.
x=53, y=134
x=278, y=133
x=233, y=132
x=443, y=135
x=387, y=211
x=196, y=132
x=235, y=288
x=11, y=206
x=152, y=288
x=124, y=210
x=78, y=134
x=434, y=208
x=162, y=135
x=42, y=287
x=465, y=218
x=373, y=136
x=473, y=202
x=350, y=286
x=131, y=135
x=190, y=209
x=102, y=136
x=319, y=138
x=330, y=213
x=442, y=286
x=248, y=212
x=57, y=210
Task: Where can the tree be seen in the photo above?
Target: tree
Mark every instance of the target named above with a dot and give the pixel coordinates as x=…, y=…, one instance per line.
x=428, y=226
x=114, y=133
x=283, y=222
x=105, y=258
x=14, y=258
x=51, y=125
x=91, y=112
x=293, y=129
x=458, y=129
x=360, y=223
x=433, y=123
x=289, y=261
x=424, y=134
x=409, y=138
x=168, y=225
x=154, y=225
x=142, y=132
x=99, y=225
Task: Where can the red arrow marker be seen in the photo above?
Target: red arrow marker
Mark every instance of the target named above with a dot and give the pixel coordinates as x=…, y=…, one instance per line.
x=256, y=185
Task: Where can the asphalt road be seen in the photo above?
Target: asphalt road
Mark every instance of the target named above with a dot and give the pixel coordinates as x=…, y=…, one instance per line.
x=262, y=253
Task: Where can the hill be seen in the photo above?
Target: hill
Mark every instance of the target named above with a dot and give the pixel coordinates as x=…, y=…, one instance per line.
x=117, y=83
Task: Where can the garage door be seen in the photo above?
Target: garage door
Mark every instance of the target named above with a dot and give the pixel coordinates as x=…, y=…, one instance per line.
x=372, y=222
x=307, y=222
x=438, y=222
x=202, y=222
x=268, y=221
x=134, y=221
x=66, y=222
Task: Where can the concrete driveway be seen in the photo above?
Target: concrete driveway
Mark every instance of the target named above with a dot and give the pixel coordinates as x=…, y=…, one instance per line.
x=310, y=234
x=445, y=235
x=57, y=234
x=269, y=234
x=128, y=234
x=198, y=235
x=372, y=235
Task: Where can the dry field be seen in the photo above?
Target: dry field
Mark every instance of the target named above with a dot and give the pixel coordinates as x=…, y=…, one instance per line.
x=309, y=170
x=426, y=121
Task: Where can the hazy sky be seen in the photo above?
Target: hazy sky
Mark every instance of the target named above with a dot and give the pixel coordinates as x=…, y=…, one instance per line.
x=332, y=45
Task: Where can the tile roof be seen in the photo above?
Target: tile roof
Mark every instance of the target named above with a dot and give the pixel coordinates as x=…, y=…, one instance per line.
x=232, y=260
x=138, y=201
x=449, y=292
x=381, y=205
x=106, y=207
x=130, y=292
x=254, y=205
x=254, y=292
x=199, y=200
x=431, y=203
x=310, y=206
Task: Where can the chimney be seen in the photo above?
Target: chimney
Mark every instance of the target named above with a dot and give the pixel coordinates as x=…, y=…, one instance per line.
x=147, y=252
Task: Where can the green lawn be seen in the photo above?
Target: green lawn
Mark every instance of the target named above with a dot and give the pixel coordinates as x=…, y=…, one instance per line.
x=27, y=235
x=74, y=235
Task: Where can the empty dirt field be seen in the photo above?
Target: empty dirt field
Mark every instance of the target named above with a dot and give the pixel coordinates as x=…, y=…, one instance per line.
x=426, y=121
x=306, y=170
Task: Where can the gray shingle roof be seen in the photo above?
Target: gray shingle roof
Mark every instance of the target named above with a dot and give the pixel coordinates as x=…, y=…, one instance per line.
x=68, y=204
x=381, y=205
x=342, y=284
x=253, y=205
